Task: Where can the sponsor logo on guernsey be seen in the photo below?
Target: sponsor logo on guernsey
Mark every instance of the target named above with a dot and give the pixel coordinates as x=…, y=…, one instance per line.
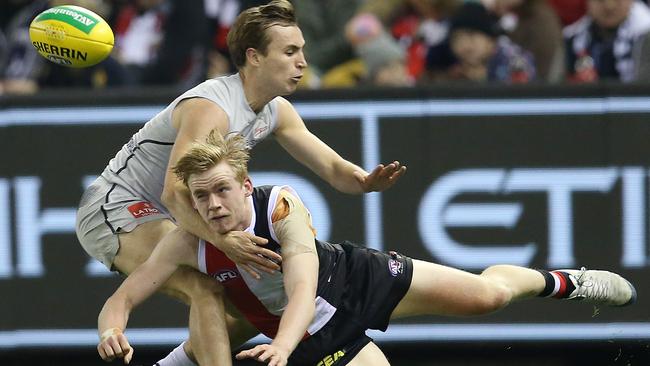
x=261, y=130
x=131, y=145
x=225, y=276
x=395, y=266
x=142, y=209
x=330, y=360
x=78, y=19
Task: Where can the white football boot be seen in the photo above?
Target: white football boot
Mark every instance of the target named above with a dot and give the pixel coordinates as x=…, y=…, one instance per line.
x=601, y=287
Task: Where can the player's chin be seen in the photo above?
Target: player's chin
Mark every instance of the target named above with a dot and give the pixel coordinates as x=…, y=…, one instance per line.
x=289, y=89
x=292, y=85
x=221, y=228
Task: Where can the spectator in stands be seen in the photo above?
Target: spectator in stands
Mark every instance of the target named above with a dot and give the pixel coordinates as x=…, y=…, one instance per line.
x=323, y=28
x=474, y=51
x=610, y=42
x=341, y=55
x=221, y=15
x=523, y=20
x=380, y=59
x=569, y=11
x=161, y=41
x=416, y=25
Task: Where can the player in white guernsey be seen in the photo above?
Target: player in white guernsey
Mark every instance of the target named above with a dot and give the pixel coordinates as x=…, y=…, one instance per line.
x=136, y=201
x=327, y=295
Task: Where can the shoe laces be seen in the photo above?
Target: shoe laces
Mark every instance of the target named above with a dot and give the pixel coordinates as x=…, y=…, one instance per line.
x=587, y=288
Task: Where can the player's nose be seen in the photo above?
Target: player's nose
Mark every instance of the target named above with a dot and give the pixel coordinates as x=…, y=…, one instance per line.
x=302, y=61
x=214, y=202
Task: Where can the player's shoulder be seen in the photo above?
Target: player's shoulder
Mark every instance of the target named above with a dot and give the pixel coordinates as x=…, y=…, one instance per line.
x=282, y=101
x=290, y=196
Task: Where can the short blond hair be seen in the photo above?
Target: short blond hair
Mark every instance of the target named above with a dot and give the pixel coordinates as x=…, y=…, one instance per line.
x=250, y=28
x=202, y=156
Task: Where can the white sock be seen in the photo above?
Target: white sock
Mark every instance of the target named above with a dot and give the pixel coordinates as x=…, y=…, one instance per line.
x=177, y=357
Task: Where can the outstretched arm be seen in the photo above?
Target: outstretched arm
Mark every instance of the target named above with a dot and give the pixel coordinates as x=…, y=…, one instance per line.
x=195, y=119
x=310, y=151
x=300, y=271
x=177, y=248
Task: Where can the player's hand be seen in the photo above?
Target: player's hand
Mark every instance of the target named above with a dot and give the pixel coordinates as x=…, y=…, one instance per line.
x=113, y=344
x=244, y=249
x=274, y=355
x=381, y=178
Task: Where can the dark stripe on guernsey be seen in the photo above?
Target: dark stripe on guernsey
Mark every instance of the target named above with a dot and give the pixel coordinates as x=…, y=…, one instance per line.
x=104, y=210
x=138, y=147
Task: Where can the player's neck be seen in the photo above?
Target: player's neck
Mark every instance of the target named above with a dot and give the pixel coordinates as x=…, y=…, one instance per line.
x=256, y=95
x=248, y=215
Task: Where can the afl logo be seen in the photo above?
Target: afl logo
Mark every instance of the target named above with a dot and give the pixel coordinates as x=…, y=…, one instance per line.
x=225, y=276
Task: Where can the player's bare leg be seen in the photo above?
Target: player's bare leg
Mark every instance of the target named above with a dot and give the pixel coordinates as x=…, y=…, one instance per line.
x=240, y=329
x=369, y=355
x=437, y=289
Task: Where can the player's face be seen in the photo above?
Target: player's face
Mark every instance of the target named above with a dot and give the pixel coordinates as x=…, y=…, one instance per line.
x=284, y=63
x=221, y=199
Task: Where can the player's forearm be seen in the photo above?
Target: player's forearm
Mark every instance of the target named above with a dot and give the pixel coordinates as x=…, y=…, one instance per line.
x=296, y=319
x=114, y=314
x=342, y=177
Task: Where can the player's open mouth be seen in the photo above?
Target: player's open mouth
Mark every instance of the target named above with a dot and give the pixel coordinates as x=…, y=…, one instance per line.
x=296, y=78
x=217, y=218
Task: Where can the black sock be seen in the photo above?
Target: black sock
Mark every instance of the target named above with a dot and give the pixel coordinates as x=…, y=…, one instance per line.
x=558, y=284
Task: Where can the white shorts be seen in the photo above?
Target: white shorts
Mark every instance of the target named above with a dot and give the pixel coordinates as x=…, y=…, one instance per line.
x=107, y=210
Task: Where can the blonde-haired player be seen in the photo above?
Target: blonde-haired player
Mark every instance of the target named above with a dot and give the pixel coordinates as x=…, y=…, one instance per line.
x=137, y=201
x=318, y=308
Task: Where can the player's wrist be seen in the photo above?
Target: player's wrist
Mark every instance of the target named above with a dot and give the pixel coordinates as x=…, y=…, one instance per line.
x=283, y=346
x=223, y=241
x=108, y=333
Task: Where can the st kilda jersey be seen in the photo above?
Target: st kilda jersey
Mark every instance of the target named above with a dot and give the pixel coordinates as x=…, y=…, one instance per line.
x=262, y=301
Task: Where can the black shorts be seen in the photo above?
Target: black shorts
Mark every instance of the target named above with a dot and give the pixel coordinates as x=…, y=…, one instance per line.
x=375, y=283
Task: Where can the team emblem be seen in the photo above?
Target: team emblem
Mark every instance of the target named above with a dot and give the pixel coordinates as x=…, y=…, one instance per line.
x=395, y=266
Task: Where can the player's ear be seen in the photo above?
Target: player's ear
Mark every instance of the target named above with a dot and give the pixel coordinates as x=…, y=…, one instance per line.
x=248, y=186
x=252, y=56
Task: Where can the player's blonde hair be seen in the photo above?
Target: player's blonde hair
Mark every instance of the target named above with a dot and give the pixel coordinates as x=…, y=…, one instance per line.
x=202, y=156
x=249, y=29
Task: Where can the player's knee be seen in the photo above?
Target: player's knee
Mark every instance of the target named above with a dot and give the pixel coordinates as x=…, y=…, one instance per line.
x=191, y=286
x=490, y=300
x=495, y=294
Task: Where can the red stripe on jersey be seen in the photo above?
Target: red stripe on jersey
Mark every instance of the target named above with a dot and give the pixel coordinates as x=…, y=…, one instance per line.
x=220, y=267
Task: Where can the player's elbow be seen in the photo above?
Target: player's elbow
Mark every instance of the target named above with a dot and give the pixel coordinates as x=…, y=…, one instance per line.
x=119, y=301
x=170, y=196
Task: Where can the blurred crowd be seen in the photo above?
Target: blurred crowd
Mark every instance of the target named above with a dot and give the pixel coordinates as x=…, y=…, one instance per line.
x=351, y=42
